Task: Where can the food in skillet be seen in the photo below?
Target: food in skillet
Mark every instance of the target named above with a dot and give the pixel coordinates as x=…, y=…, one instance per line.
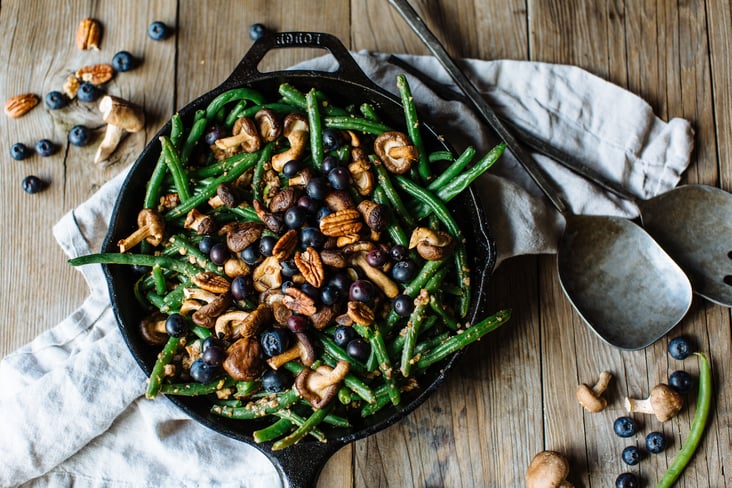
x=298, y=261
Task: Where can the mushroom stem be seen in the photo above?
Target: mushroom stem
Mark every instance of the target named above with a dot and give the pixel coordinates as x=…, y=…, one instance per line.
x=379, y=278
x=121, y=116
x=638, y=405
x=602, y=383
x=664, y=402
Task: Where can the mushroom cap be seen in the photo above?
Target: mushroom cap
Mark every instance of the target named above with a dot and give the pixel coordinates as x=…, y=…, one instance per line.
x=548, y=469
x=665, y=401
x=243, y=361
x=319, y=387
x=431, y=245
x=268, y=124
x=396, y=151
x=152, y=329
x=589, y=400
x=121, y=113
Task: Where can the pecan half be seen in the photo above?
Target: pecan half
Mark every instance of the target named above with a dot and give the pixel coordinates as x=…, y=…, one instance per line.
x=341, y=223
x=285, y=245
x=299, y=302
x=88, y=34
x=211, y=282
x=310, y=265
x=360, y=313
x=19, y=105
x=96, y=74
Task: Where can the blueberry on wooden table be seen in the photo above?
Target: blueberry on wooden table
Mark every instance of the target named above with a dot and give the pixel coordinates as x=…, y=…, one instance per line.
x=681, y=381
x=157, y=31
x=624, y=427
x=19, y=151
x=33, y=184
x=79, y=135
x=56, y=100
x=655, y=442
x=626, y=480
x=45, y=148
x=631, y=455
x=680, y=348
x=88, y=92
x=257, y=31
x=124, y=61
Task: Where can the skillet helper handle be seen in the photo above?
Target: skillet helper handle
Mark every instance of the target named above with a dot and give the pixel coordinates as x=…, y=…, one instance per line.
x=248, y=71
x=300, y=465
x=481, y=106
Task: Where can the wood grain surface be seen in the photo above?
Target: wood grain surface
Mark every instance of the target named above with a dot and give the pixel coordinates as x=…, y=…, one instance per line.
x=512, y=394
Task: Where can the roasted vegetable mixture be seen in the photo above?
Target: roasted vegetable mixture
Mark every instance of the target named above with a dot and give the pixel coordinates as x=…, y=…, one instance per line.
x=298, y=260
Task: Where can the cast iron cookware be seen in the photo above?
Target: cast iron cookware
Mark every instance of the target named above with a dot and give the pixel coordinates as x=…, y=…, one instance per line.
x=301, y=464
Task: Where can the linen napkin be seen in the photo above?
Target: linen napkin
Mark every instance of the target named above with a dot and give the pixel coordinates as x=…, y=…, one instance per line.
x=72, y=399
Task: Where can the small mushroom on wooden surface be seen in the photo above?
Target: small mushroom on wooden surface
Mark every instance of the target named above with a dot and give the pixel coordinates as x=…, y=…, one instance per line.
x=150, y=227
x=321, y=385
x=590, y=397
x=396, y=151
x=121, y=117
x=548, y=469
x=664, y=402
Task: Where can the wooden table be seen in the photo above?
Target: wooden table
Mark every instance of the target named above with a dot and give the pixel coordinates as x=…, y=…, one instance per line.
x=511, y=395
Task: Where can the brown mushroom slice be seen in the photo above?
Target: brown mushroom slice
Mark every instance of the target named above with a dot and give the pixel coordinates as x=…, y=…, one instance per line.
x=150, y=227
x=226, y=323
x=321, y=385
x=241, y=235
x=243, y=361
x=152, y=329
x=361, y=174
x=379, y=278
x=199, y=222
x=272, y=221
x=255, y=321
x=268, y=124
x=432, y=245
x=268, y=274
x=224, y=197
x=295, y=128
x=376, y=216
x=664, y=402
x=590, y=397
x=396, y=151
x=206, y=315
x=244, y=136
x=121, y=116
x=284, y=199
x=339, y=200
x=548, y=469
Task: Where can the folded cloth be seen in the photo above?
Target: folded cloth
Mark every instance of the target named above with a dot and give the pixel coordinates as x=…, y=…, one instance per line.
x=73, y=400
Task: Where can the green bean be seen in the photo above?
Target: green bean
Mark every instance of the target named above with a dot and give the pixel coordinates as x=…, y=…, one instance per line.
x=156, y=376
x=314, y=419
x=459, y=341
x=299, y=421
x=257, y=177
x=384, y=181
x=282, y=108
x=160, y=285
x=412, y=329
x=210, y=190
x=235, y=113
x=176, y=130
x=382, y=399
x=431, y=343
x=137, y=259
x=430, y=271
x=437, y=306
x=220, y=167
x=413, y=126
x=176, y=169
x=273, y=431
x=190, y=250
x=152, y=191
x=376, y=339
x=260, y=408
x=352, y=381
x=330, y=347
x=396, y=233
x=195, y=134
x=698, y=424
x=453, y=170
x=246, y=213
x=232, y=95
x=367, y=110
x=297, y=98
x=196, y=389
x=316, y=129
x=345, y=122
x=436, y=156
x=201, y=332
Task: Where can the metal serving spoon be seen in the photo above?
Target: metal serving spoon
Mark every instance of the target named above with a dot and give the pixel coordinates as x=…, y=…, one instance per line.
x=693, y=223
x=620, y=281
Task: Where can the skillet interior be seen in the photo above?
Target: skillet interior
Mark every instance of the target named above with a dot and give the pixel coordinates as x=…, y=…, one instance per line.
x=343, y=91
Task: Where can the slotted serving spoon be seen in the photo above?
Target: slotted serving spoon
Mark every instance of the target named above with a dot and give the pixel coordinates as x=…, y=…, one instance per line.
x=618, y=279
x=692, y=223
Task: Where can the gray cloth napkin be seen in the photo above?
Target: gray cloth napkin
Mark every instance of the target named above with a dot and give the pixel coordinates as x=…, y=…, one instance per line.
x=72, y=399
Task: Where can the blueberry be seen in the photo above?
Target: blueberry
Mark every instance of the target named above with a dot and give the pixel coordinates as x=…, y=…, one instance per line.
x=329, y=164
x=655, y=442
x=624, y=427
x=251, y=254
x=157, y=31
x=79, y=135
x=45, y=148
x=124, y=61
x=219, y=253
x=266, y=244
x=295, y=217
x=332, y=139
x=330, y=295
x=403, y=305
x=241, y=287
x=361, y=291
x=257, y=31
x=317, y=188
x=681, y=381
x=212, y=341
x=276, y=381
x=404, y=271
x=205, y=244
x=289, y=269
x=308, y=204
x=358, y=349
x=88, y=92
x=285, y=285
x=275, y=341
x=626, y=480
x=291, y=168
x=341, y=280
x=342, y=335
x=680, y=348
x=377, y=258
x=297, y=323
x=33, y=184
x=312, y=237
x=176, y=325
x=399, y=253
x=19, y=151
x=214, y=356
x=324, y=212
x=310, y=291
x=202, y=372
x=631, y=455
x=339, y=178
x=56, y=100
x=215, y=133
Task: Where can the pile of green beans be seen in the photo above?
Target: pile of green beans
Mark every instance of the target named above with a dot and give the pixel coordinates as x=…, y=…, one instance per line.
x=402, y=348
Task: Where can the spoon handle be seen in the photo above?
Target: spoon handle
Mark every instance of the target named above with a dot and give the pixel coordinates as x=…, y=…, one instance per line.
x=481, y=106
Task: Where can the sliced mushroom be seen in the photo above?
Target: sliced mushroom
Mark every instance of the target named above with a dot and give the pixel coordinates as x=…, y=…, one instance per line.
x=241, y=235
x=302, y=350
x=268, y=124
x=152, y=329
x=224, y=197
x=361, y=174
x=243, y=361
x=226, y=323
x=199, y=222
x=284, y=199
x=295, y=129
x=302, y=178
x=268, y=274
x=272, y=221
x=339, y=200
x=323, y=317
x=432, y=245
x=207, y=314
x=234, y=267
x=150, y=227
x=245, y=136
x=396, y=151
x=121, y=116
x=320, y=386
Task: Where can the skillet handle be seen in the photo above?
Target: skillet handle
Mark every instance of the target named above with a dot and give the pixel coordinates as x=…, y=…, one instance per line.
x=247, y=70
x=300, y=465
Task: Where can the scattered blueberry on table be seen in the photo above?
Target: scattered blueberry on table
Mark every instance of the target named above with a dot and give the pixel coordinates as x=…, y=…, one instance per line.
x=56, y=100
x=79, y=135
x=626, y=480
x=681, y=381
x=631, y=455
x=624, y=427
x=88, y=92
x=157, y=30
x=257, y=31
x=124, y=61
x=19, y=151
x=45, y=148
x=655, y=442
x=680, y=348
x=33, y=184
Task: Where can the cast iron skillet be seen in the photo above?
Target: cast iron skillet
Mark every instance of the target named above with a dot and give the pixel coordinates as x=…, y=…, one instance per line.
x=299, y=465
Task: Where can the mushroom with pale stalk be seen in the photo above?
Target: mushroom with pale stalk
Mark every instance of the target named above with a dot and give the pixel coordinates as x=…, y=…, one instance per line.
x=121, y=116
x=664, y=402
x=548, y=469
x=590, y=397
x=320, y=386
x=302, y=350
x=245, y=137
x=150, y=227
x=295, y=128
x=396, y=151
